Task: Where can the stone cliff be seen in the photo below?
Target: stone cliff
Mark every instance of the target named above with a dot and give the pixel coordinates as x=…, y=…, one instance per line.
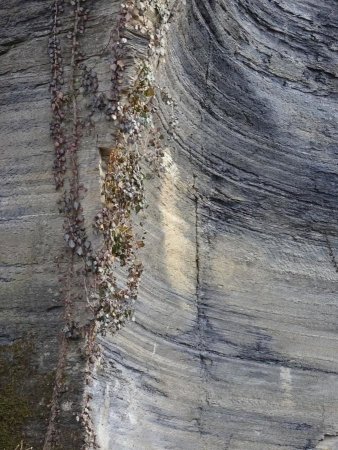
x=227, y=112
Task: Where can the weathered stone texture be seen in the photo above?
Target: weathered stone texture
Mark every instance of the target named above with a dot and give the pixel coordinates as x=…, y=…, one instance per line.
x=29, y=229
x=235, y=340
x=35, y=263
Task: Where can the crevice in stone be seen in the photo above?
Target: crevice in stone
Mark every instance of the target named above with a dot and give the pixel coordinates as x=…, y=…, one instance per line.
x=105, y=153
x=201, y=318
x=329, y=441
x=331, y=253
x=207, y=72
x=197, y=258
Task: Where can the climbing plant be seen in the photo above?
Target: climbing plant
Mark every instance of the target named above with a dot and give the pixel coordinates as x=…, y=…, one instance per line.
x=111, y=275
x=131, y=110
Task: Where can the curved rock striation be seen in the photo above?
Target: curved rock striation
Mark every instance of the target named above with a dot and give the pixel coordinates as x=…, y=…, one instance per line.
x=234, y=343
x=235, y=339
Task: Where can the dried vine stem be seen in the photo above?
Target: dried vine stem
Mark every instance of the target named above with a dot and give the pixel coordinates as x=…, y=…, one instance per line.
x=112, y=297
x=66, y=141
x=115, y=270
x=136, y=141
x=75, y=234
x=57, y=96
x=51, y=434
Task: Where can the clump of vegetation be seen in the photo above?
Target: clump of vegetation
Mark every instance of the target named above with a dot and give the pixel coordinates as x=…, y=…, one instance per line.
x=111, y=275
x=136, y=140
x=123, y=197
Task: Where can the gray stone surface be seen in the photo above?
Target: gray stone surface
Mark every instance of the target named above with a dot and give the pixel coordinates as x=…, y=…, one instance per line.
x=235, y=340
x=29, y=220
x=34, y=260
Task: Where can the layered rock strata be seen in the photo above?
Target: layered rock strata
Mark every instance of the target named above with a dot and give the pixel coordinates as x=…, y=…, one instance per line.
x=234, y=341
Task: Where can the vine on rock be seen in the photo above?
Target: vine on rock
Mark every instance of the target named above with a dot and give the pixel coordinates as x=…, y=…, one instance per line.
x=111, y=275
x=66, y=130
x=136, y=141
x=57, y=96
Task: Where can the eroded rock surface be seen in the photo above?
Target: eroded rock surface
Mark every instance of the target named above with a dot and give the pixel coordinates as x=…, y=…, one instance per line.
x=235, y=340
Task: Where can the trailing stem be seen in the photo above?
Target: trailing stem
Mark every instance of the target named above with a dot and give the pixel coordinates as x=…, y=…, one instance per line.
x=114, y=271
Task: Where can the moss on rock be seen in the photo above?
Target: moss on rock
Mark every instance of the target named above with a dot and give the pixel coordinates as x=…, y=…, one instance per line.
x=25, y=394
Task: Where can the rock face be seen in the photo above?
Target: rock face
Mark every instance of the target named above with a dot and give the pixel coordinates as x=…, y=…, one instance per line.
x=30, y=228
x=234, y=345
